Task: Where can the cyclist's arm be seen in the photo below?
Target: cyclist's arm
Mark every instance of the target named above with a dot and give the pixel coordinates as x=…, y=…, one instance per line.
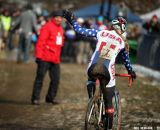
x=84, y=31
x=126, y=60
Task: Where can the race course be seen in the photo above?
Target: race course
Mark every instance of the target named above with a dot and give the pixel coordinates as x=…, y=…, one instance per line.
x=140, y=103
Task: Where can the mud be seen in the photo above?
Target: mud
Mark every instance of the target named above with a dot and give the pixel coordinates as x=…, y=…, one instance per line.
x=140, y=103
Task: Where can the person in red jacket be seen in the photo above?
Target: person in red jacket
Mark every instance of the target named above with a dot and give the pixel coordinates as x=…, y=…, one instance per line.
x=47, y=53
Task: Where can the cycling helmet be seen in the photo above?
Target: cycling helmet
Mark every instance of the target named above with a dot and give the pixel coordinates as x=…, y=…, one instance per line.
x=119, y=23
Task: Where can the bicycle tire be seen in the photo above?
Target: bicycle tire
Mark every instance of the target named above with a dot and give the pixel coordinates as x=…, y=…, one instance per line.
x=118, y=111
x=92, y=114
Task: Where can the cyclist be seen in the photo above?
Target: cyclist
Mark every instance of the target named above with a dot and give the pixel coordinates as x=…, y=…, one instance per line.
x=102, y=64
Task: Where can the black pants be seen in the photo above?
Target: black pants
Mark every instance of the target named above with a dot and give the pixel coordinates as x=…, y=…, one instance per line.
x=99, y=71
x=24, y=48
x=54, y=74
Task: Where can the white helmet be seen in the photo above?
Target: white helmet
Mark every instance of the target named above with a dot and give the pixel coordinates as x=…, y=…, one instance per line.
x=119, y=23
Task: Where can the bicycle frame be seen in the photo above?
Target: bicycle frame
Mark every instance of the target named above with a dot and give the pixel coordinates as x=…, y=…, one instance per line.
x=101, y=109
x=96, y=108
x=126, y=75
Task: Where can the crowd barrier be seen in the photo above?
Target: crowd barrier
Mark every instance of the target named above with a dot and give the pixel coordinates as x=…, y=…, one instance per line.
x=148, y=51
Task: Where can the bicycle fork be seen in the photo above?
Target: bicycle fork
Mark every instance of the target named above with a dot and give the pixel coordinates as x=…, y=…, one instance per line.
x=101, y=109
x=117, y=102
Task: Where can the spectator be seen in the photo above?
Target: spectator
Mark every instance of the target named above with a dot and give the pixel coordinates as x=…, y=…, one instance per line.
x=26, y=23
x=99, y=25
x=47, y=52
x=41, y=20
x=152, y=26
x=83, y=44
x=13, y=37
x=68, y=50
x=134, y=32
x=123, y=10
x=1, y=35
x=6, y=23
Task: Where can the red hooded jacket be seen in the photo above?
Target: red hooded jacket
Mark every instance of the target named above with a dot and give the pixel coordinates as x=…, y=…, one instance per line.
x=50, y=42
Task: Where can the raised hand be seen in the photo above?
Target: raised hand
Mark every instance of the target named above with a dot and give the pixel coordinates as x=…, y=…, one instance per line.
x=68, y=15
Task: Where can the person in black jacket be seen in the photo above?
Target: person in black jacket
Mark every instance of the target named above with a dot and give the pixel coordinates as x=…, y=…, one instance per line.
x=152, y=26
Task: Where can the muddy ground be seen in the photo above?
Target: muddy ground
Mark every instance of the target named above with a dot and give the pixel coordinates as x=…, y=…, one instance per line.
x=140, y=103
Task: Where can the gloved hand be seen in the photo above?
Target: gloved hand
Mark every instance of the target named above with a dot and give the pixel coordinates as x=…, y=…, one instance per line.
x=68, y=15
x=133, y=74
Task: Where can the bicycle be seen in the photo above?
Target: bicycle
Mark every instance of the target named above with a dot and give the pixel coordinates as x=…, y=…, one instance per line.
x=95, y=114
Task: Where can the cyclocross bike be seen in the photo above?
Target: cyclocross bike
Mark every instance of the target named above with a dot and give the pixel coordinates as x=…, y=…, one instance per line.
x=95, y=114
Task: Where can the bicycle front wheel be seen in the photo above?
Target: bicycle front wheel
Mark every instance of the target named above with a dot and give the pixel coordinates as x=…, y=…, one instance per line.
x=118, y=111
x=92, y=114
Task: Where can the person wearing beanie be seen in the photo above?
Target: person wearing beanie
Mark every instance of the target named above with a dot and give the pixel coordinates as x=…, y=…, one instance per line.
x=47, y=53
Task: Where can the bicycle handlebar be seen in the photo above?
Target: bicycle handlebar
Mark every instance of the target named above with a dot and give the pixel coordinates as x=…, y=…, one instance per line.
x=126, y=75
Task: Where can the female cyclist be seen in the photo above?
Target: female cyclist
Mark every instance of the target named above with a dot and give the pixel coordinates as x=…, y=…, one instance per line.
x=102, y=64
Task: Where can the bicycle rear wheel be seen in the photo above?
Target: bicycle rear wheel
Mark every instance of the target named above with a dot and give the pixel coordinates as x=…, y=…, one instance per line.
x=118, y=111
x=92, y=114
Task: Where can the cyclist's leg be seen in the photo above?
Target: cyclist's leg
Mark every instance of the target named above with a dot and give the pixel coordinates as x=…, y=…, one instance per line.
x=91, y=86
x=109, y=110
x=108, y=93
x=91, y=83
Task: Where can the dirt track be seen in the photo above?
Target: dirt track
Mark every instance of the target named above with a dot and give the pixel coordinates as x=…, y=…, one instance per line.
x=141, y=106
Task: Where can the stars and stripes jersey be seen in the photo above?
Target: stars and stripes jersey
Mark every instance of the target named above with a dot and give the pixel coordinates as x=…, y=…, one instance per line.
x=109, y=45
